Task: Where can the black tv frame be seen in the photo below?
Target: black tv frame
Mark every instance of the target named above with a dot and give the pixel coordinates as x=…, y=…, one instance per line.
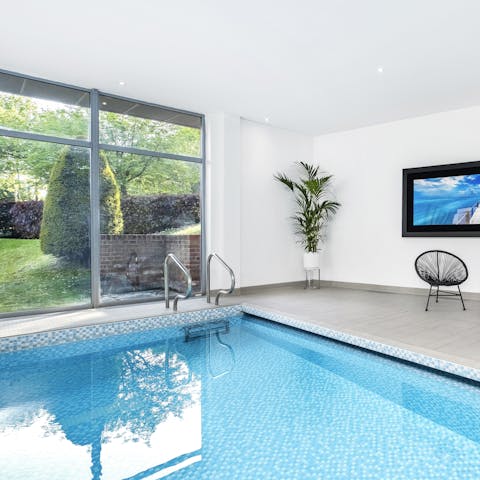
x=411, y=174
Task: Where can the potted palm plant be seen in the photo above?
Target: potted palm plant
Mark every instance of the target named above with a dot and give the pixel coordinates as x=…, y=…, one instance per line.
x=313, y=209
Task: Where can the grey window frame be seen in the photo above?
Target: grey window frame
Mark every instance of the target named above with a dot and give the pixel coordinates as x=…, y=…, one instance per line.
x=94, y=145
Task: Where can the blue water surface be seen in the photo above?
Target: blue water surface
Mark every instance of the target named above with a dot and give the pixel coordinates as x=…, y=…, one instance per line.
x=256, y=401
x=439, y=210
x=436, y=200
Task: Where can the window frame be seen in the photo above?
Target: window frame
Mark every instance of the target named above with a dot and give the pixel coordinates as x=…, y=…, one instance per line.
x=94, y=145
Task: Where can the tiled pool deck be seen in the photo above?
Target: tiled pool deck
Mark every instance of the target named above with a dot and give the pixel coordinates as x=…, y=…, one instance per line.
x=446, y=337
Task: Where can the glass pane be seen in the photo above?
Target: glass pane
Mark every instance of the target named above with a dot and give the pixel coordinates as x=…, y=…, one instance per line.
x=39, y=107
x=44, y=225
x=149, y=207
x=130, y=124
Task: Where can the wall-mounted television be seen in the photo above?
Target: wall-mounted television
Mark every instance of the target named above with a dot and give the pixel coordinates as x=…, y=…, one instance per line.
x=442, y=201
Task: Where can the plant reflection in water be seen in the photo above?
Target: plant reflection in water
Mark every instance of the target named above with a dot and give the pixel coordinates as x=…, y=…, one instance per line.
x=116, y=414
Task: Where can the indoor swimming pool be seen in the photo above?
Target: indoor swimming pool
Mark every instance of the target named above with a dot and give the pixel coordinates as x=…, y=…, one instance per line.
x=233, y=398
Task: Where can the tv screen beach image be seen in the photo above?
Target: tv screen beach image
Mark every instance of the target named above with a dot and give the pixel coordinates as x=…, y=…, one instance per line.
x=451, y=200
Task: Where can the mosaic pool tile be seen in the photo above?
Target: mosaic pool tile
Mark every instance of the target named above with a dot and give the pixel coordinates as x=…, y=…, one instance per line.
x=57, y=337
x=263, y=401
x=425, y=360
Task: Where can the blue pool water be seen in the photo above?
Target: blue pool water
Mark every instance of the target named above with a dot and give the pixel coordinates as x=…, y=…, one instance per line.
x=261, y=401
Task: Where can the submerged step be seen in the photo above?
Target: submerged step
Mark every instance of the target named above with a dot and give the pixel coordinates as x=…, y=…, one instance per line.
x=204, y=329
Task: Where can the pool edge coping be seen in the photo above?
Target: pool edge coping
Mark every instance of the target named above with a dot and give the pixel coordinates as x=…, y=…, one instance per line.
x=446, y=366
x=61, y=336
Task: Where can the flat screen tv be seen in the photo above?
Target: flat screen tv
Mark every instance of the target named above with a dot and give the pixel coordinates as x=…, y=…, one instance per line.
x=442, y=201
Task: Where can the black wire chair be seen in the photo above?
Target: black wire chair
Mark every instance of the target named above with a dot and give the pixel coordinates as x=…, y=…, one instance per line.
x=441, y=269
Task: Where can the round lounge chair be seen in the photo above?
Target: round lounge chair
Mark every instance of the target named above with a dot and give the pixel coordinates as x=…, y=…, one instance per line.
x=441, y=269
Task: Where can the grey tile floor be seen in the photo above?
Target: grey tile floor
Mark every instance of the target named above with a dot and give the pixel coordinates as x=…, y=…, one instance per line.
x=446, y=331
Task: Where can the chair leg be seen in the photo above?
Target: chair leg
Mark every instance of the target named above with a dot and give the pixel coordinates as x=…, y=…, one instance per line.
x=428, y=299
x=436, y=301
x=461, y=297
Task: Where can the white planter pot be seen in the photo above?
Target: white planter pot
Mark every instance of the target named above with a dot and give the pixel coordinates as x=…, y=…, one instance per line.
x=311, y=260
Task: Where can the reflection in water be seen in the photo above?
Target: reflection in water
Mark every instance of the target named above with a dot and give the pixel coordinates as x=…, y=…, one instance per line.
x=37, y=448
x=168, y=409
x=176, y=377
x=121, y=414
x=219, y=363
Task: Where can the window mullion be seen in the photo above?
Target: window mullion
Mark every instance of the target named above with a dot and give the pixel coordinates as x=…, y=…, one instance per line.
x=95, y=199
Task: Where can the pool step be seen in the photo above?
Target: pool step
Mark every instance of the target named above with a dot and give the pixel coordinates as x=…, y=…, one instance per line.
x=202, y=330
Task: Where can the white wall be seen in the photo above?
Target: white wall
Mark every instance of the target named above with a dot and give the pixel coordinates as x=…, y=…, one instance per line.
x=247, y=211
x=223, y=194
x=268, y=249
x=365, y=241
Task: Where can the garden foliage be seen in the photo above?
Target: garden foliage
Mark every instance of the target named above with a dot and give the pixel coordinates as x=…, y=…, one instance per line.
x=157, y=213
x=26, y=218
x=6, y=221
x=65, y=225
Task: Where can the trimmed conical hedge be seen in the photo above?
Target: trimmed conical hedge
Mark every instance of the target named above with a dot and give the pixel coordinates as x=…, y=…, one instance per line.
x=111, y=218
x=66, y=216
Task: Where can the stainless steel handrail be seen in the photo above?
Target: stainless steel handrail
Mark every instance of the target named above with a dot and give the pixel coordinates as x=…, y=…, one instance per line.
x=230, y=271
x=185, y=271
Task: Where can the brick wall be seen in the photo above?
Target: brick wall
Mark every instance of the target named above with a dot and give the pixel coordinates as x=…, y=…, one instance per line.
x=135, y=262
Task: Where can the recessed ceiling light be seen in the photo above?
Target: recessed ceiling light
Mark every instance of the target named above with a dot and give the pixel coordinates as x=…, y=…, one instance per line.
x=104, y=103
x=122, y=83
x=267, y=120
x=380, y=69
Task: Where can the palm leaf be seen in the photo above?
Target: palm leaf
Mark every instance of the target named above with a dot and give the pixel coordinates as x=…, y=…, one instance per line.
x=282, y=178
x=313, y=211
x=311, y=170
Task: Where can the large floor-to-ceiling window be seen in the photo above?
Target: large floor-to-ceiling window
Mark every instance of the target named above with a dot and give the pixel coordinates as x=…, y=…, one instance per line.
x=155, y=155
x=95, y=190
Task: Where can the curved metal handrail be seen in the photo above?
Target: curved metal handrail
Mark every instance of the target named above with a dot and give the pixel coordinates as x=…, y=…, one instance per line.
x=185, y=271
x=230, y=271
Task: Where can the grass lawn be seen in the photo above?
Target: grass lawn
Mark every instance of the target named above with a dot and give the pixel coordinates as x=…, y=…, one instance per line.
x=188, y=230
x=31, y=280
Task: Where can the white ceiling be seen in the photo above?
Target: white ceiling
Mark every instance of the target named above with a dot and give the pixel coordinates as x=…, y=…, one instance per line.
x=309, y=65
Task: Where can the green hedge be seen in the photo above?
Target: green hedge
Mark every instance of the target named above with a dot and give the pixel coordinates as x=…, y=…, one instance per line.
x=26, y=219
x=65, y=225
x=157, y=213
x=6, y=220
x=111, y=218
x=140, y=214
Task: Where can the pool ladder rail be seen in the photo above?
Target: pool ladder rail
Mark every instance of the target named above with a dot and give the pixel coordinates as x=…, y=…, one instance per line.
x=232, y=278
x=171, y=257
